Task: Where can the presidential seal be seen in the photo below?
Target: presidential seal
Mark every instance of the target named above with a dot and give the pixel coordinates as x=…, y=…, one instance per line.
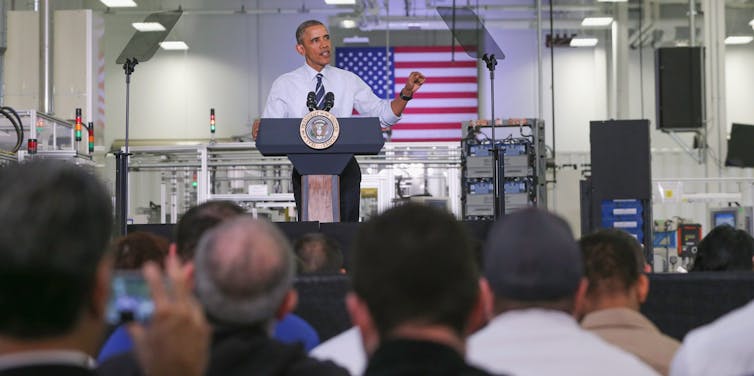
x=319, y=129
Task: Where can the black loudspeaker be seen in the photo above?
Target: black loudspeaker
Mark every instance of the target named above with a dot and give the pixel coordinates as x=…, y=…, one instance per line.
x=679, y=88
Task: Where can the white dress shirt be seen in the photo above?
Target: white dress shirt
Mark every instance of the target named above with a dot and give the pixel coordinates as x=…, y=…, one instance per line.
x=287, y=98
x=46, y=357
x=721, y=348
x=546, y=342
x=345, y=349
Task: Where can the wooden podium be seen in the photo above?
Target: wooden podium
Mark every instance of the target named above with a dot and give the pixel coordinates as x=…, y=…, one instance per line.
x=320, y=169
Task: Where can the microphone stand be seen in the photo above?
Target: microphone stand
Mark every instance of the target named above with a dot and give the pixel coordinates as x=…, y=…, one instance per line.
x=121, y=162
x=497, y=192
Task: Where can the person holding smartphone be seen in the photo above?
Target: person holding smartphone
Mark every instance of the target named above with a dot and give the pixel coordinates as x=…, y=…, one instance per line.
x=55, y=278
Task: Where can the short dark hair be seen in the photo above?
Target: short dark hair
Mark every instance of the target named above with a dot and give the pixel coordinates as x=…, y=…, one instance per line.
x=724, y=248
x=54, y=230
x=613, y=261
x=415, y=263
x=136, y=248
x=332, y=257
x=302, y=28
x=197, y=220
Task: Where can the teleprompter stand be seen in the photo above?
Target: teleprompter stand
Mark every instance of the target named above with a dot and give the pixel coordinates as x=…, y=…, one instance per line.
x=140, y=48
x=469, y=31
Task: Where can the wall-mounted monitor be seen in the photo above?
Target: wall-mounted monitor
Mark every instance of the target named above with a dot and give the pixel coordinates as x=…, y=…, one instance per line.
x=741, y=146
x=736, y=217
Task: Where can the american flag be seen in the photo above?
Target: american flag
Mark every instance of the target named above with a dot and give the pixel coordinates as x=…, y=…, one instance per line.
x=448, y=97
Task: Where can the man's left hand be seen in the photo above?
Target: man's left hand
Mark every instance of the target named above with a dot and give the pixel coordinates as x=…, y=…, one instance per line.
x=414, y=82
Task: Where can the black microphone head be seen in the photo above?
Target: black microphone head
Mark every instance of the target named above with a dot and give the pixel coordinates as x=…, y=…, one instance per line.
x=329, y=101
x=311, y=101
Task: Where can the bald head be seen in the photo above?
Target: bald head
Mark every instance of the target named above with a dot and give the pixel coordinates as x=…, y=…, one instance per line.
x=244, y=268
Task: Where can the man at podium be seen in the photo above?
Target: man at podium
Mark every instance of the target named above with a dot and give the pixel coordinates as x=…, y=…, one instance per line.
x=289, y=93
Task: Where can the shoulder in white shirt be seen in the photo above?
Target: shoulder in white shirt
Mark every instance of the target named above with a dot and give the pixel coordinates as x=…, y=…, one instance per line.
x=545, y=342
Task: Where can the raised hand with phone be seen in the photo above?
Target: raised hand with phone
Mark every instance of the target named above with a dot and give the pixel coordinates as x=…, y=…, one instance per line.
x=176, y=340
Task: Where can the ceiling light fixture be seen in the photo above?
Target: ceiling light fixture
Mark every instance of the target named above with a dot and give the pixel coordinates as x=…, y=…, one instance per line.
x=739, y=39
x=596, y=21
x=340, y=2
x=174, y=45
x=356, y=39
x=348, y=24
x=119, y=3
x=583, y=42
x=148, y=26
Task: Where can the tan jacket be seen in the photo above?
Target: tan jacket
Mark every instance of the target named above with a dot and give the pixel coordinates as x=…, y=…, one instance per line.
x=634, y=333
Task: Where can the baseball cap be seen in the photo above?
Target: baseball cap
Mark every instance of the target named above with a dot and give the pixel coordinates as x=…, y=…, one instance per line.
x=531, y=255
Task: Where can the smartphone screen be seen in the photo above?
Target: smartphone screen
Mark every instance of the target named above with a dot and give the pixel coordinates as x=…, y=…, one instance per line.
x=130, y=298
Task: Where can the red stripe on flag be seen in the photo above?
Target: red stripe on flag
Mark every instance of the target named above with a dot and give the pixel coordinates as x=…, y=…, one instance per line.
x=440, y=110
x=442, y=80
x=422, y=126
x=410, y=49
x=439, y=139
x=435, y=64
x=445, y=94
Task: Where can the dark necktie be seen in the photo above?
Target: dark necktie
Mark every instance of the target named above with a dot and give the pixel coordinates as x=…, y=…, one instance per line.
x=320, y=92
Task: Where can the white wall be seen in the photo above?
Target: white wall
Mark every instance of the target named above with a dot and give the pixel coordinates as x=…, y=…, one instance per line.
x=739, y=84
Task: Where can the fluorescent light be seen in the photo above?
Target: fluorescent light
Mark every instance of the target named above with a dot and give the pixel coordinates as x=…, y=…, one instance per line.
x=348, y=24
x=119, y=3
x=356, y=39
x=612, y=1
x=752, y=23
x=583, y=42
x=597, y=21
x=148, y=26
x=739, y=39
x=174, y=45
x=340, y=2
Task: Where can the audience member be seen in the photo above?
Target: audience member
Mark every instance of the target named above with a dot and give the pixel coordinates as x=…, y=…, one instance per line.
x=535, y=271
x=244, y=279
x=724, y=248
x=318, y=253
x=55, y=279
x=722, y=347
x=416, y=294
x=133, y=250
x=189, y=229
x=614, y=267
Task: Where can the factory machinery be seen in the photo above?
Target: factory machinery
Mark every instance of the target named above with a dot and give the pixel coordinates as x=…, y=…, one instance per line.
x=28, y=134
x=522, y=171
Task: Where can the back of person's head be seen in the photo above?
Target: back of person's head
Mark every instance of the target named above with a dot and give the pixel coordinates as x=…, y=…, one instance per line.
x=318, y=253
x=197, y=220
x=244, y=269
x=133, y=250
x=415, y=264
x=724, y=248
x=613, y=264
x=54, y=230
x=531, y=260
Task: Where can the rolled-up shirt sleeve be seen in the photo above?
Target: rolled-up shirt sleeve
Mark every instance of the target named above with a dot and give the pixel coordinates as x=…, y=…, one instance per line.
x=371, y=105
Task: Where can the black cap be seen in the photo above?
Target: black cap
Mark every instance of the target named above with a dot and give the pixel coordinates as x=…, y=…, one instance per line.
x=531, y=255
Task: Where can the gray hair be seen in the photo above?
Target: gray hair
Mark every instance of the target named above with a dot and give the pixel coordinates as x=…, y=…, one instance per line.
x=302, y=28
x=244, y=268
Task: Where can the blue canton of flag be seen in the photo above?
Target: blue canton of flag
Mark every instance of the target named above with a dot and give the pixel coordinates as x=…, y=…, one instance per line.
x=369, y=64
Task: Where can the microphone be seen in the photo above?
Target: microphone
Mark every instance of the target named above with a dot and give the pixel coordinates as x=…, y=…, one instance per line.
x=311, y=101
x=329, y=101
